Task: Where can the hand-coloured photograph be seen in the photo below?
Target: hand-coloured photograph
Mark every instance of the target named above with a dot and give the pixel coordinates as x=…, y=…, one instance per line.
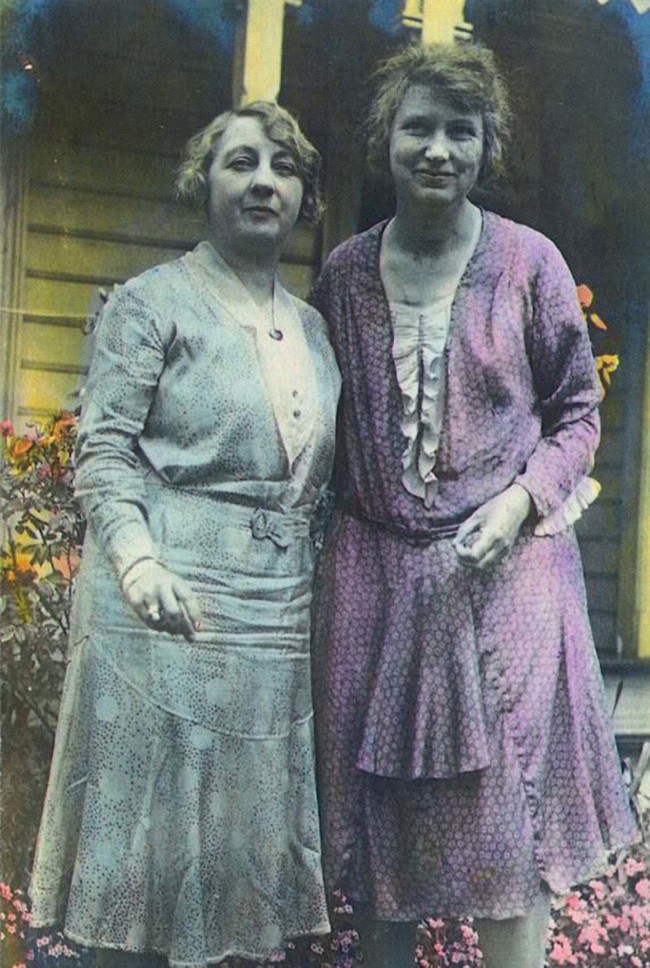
x=325, y=483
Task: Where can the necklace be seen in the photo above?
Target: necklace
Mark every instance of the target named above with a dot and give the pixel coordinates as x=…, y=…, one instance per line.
x=274, y=332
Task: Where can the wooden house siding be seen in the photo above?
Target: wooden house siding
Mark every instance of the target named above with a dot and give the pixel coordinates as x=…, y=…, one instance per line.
x=102, y=164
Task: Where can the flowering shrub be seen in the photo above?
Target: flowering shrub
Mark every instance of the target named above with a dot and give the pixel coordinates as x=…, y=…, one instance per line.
x=39, y=556
x=606, y=922
x=606, y=359
x=444, y=943
x=20, y=948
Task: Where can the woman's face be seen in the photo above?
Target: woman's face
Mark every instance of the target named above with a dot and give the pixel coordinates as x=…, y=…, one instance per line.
x=435, y=149
x=255, y=191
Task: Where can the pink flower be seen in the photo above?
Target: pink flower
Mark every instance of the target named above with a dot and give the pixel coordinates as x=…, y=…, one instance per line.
x=636, y=962
x=642, y=888
x=578, y=916
x=435, y=923
x=592, y=933
x=633, y=866
x=561, y=951
x=598, y=888
x=467, y=933
x=572, y=901
x=640, y=915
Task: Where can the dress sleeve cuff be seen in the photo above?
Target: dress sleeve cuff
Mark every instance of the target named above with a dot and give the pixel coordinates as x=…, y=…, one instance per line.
x=133, y=544
x=571, y=509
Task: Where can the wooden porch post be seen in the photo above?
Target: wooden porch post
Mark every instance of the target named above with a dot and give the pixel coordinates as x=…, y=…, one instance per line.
x=13, y=178
x=641, y=621
x=439, y=21
x=257, y=68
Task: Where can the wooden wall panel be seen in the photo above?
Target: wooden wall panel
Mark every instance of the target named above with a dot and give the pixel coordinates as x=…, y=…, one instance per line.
x=57, y=345
x=113, y=217
x=58, y=298
x=112, y=170
x=87, y=259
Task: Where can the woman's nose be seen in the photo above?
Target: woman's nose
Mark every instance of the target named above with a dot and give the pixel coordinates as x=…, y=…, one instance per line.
x=437, y=146
x=262, y=180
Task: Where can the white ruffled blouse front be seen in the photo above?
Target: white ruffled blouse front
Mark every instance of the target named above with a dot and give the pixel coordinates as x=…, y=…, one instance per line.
x=419, y=340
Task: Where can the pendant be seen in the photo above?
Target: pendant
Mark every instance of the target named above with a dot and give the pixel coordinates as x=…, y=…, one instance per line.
x=276, y=333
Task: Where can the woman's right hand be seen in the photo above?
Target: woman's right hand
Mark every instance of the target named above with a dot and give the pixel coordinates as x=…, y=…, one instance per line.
x=164, y=601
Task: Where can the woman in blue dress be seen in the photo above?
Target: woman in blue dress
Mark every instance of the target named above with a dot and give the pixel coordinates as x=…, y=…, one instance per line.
x=180, y=825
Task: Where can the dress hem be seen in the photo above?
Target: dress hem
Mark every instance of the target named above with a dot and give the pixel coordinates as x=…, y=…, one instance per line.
x=321, y=929
x=557, y=888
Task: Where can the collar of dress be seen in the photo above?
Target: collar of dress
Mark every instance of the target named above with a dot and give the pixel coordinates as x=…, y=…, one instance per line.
x=475, y=270
x=227, y=289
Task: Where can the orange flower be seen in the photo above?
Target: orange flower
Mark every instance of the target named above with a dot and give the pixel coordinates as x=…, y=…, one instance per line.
x=23, y=562
x=21, y=446
x=585, y=295
x=63, y=424
x=67, y=565
x=12, y=564
x=597, y=321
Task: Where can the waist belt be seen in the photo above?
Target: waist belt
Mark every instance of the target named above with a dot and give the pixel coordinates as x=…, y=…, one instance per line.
x=419, y=536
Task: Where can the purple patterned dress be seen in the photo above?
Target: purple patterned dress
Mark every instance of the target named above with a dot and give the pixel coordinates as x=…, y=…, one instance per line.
x=465, y=754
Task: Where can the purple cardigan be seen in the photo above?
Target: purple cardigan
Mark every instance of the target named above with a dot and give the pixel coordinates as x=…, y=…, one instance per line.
x=522, y=389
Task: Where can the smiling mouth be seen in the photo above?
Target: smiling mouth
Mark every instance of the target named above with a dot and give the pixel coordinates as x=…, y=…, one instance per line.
x=434, y=175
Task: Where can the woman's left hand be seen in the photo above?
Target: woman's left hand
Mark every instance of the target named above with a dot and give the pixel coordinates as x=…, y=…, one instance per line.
x=489, y=534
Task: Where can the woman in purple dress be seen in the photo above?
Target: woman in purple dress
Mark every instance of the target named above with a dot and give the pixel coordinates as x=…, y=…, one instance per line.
x=467, y=765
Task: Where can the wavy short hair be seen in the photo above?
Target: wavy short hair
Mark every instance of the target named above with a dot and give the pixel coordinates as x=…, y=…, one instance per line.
x=465, y=74
x=280, y=126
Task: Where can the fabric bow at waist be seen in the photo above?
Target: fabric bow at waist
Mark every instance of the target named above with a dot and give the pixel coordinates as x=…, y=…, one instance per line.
x=280, y=527
x=215, y=511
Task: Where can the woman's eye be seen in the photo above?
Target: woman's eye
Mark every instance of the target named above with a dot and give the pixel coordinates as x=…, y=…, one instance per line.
x=462, y=131
x=241, y=163
x=286, y=168
x=415, y=128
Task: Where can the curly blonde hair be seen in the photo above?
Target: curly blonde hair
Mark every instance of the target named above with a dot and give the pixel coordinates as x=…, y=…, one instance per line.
x=466, y=74
x=280, y=126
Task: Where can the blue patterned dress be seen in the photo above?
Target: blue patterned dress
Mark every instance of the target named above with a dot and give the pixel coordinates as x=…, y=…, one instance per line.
x=181, y=814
